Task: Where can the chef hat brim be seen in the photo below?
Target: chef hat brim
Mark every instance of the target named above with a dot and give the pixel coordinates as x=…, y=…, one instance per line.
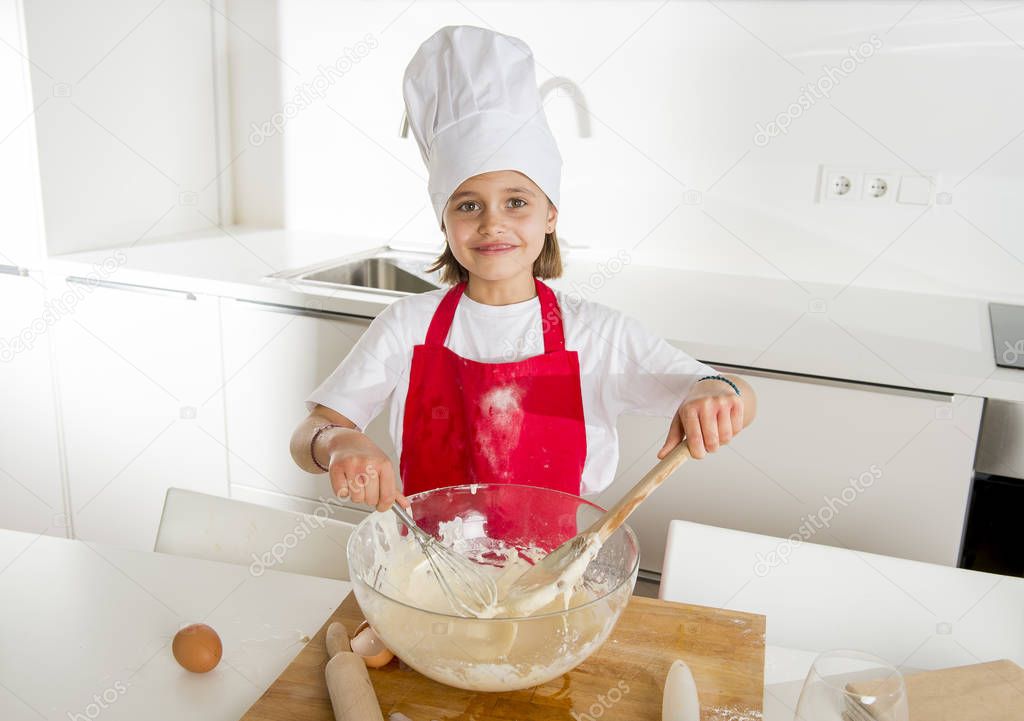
x=490, y=141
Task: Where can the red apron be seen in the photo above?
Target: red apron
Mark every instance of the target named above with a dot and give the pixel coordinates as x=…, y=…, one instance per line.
x=472, y=422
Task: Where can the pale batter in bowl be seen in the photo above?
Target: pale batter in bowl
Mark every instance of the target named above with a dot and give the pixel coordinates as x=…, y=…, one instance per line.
x=401, y=599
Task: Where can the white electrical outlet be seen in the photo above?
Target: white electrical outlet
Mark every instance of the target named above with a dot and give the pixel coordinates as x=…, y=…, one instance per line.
x=838, y=186
x=879, y=187
x=876, y=187
x=850, y=185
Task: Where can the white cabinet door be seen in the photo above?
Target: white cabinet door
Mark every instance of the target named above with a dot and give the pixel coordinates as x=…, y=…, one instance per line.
x=142, y=406
x=117, y=165
x=880, y=470
x=31, y=497
x=275, y=356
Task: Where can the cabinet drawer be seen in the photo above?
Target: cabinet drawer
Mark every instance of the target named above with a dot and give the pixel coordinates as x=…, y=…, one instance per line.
x=140, y=382
x=274, y=357
x=876, y=470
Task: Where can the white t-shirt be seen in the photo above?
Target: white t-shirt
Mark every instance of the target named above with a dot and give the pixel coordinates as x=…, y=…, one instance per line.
x=623, y=367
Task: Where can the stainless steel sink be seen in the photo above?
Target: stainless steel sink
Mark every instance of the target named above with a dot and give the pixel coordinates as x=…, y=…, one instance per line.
x=378, y=273
x=381, y=270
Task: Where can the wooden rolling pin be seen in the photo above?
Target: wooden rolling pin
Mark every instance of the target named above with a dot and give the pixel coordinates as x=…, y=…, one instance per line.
x=348, y=682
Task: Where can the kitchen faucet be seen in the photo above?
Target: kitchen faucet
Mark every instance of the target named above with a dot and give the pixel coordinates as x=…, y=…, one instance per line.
x=558, y=82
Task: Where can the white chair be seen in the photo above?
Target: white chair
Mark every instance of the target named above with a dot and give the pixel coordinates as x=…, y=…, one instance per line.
x=248, y=534
x=815, y=597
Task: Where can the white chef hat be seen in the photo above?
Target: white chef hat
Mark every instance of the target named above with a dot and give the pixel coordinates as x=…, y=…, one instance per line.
x=473, y=106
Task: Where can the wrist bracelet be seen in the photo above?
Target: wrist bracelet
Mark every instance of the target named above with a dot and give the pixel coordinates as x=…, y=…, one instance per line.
x=312, y=443
x=721, y=378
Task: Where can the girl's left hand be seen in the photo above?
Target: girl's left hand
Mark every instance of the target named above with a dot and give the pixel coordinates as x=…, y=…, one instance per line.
x=708, y=419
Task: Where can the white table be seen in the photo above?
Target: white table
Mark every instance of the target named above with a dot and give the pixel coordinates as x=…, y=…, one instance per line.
x=86, y=630
x=816, y=598
x=784, y=668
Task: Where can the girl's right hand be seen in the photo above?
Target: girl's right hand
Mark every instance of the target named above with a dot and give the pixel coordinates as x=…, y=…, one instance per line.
x=361, y=471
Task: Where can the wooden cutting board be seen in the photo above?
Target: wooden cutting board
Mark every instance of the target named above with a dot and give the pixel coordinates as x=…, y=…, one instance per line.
x=992, y=691
x=622, y=681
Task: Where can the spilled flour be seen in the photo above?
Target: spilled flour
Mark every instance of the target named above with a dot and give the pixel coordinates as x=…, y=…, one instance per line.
x=498, y=425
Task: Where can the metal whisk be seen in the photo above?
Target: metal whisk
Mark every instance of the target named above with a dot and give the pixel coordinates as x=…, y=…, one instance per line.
x=466, y=587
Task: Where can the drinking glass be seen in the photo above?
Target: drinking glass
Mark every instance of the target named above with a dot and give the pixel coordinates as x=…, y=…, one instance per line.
x=848, y=685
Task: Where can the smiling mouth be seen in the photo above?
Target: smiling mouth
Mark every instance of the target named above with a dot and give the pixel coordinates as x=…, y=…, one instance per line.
x=495, y=248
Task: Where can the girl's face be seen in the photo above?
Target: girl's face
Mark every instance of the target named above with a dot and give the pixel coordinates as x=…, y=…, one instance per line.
x=495, y=223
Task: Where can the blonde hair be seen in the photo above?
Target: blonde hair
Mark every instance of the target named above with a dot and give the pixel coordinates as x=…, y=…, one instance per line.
x=547, y=265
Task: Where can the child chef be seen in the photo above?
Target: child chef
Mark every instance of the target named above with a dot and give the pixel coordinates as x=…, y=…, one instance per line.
x=499, y=378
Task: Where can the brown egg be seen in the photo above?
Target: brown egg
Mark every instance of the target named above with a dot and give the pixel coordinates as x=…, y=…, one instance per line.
x=367, y=644
x=197, y=648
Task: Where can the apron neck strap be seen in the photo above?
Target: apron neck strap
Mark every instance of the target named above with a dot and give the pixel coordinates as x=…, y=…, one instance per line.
x=550, y=316
x=550, y=319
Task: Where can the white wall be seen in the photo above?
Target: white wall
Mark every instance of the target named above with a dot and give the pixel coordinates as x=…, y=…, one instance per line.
x=676, y=91
x=21, y=234
x=256, y=76
x=125, y=116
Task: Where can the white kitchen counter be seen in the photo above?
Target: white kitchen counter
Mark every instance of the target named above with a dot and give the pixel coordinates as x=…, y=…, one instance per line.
x=87, y=628
x=914, y=340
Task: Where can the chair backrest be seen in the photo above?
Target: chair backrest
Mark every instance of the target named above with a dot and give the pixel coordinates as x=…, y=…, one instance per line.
x=263, y=538
x=818, y=598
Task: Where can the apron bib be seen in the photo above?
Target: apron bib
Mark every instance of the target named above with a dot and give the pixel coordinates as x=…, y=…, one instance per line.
x=472, y=422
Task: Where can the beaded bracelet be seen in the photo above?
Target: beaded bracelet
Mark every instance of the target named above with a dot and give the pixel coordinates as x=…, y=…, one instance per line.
x=312, y=441
x=720, y=378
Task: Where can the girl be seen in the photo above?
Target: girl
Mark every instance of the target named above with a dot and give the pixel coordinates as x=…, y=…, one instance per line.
x=499, y=379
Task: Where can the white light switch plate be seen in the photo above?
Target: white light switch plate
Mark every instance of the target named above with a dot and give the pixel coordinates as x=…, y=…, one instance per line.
x=915, y=190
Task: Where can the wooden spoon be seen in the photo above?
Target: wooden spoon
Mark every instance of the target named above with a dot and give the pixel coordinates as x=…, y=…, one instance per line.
x=562, y=569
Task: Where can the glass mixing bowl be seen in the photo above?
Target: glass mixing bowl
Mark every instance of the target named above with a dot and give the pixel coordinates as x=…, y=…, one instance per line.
x=486, y=520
